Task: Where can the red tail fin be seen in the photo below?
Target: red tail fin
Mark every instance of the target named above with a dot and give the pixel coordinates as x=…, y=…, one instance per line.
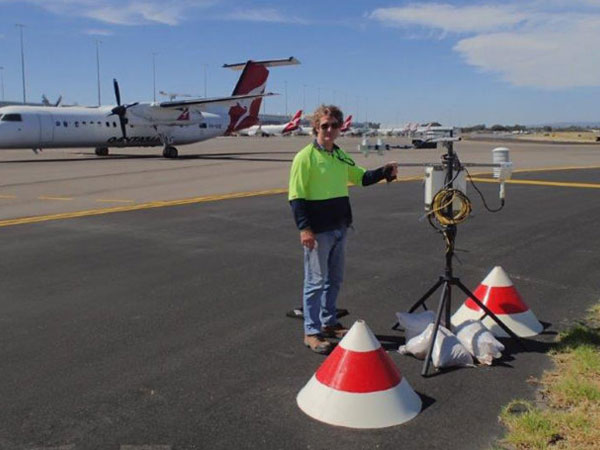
x=293, y=124
x=252, y=81
x=347, y=123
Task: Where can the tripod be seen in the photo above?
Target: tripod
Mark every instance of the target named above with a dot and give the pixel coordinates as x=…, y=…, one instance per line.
x=447, y=280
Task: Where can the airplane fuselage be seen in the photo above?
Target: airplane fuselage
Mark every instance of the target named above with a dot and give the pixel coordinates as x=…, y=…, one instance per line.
x=59, y=127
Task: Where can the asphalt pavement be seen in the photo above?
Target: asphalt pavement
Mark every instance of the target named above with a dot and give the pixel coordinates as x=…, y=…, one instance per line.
x=165, y=328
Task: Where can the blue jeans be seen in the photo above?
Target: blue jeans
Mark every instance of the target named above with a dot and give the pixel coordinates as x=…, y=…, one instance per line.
x=323, y=276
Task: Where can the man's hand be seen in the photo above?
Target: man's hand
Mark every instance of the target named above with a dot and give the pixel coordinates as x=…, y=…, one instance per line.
x=307, y=238
x=390, y=170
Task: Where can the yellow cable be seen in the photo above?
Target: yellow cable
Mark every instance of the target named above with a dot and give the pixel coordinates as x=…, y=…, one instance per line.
x=445, y=198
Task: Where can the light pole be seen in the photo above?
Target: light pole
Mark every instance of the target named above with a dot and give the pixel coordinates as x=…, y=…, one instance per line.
x=2, y=81
x=286, y=103
x=304, y=98
x=154, y=75
x=21, y=26
x=98, y=70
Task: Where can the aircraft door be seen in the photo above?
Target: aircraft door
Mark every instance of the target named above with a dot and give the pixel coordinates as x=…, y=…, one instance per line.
x=46, y=122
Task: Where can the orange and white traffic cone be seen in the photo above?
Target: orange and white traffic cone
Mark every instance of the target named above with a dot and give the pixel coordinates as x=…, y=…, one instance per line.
x=359, y=386
x=497, y=292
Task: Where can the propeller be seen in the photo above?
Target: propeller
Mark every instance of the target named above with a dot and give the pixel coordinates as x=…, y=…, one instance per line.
x=121, y=110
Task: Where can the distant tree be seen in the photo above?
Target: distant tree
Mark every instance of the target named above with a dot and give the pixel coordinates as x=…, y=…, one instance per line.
x=547, y=129
x=498, y=127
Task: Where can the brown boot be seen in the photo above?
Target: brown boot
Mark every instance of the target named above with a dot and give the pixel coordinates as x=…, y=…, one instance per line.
x=334, y=331
x=317, y=344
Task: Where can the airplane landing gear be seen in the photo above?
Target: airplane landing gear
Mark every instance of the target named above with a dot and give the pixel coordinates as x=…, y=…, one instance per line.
x=170, y=152
x=102, y=151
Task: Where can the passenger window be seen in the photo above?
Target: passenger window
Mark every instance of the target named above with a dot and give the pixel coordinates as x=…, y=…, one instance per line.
x=77, y=124
x=202, y=125
x=115, y=124
x=58, y=123
x=65, y=124
x=12, y=118
x=107, y=124
x=84, y=123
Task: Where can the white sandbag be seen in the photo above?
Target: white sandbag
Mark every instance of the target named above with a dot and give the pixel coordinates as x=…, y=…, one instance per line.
x=447, y=351
x=414, y=323
x=479, y=341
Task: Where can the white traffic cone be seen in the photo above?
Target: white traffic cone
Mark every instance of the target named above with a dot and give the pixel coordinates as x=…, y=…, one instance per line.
x=497, y=292
x=359, y=386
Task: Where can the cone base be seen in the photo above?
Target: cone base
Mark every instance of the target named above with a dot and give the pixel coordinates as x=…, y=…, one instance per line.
x=523, y=324
x=372, y=410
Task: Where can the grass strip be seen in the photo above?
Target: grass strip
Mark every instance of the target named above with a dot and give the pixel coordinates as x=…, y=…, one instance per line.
x=567, y=416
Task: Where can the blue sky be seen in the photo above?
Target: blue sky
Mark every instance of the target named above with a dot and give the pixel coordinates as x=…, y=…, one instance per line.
x=459, y=63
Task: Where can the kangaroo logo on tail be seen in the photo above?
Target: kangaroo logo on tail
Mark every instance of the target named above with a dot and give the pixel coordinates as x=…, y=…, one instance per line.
x=245, y=113
x=185, y=115
x=347, y=124
x=294, y=123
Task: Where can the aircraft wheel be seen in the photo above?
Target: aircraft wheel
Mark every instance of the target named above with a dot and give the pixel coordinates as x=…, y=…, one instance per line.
x=170, y=152
x=102, y=151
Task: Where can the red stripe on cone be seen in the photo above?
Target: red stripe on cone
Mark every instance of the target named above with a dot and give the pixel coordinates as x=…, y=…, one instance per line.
x=359, y=372
x=500, y=300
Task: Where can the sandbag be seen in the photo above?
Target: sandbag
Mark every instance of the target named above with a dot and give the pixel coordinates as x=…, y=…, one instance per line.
x=479, y=341
x=447, y=351
x=414, y=323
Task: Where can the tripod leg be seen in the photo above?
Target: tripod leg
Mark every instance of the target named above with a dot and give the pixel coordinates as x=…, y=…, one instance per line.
x=422, y=300
x=491, y=314
x=436, y=327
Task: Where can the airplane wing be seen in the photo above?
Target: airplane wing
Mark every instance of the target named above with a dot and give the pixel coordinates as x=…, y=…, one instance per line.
x=221, y=101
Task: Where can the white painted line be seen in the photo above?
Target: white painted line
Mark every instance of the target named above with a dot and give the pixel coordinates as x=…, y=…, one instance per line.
x=145, y=447
x=59, y=447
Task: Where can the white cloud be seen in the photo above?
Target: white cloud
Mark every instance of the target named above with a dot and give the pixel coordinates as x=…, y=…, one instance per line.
x=262, y=15
x=547, y=44
x=98, y=32
x=449, y=18
x=125, y=12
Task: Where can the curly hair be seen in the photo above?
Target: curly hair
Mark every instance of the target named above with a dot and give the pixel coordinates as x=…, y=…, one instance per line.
x=326, y=111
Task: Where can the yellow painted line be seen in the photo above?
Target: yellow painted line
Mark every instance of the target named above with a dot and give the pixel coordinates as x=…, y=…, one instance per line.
x=8, y=196
x=550, y=169
x=115, y=200
x=214, y=198
x=43, y=197
x=542, y=183
x=149, y=205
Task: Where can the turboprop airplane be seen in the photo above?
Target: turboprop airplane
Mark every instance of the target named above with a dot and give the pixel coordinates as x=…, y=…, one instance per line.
x=137, y=124
x=274, y=130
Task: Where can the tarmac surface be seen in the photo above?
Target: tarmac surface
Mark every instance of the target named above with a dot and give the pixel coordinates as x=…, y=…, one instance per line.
x=165, y=328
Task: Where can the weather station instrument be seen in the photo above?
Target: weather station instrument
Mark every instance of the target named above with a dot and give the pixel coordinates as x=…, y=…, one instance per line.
x=446, y=206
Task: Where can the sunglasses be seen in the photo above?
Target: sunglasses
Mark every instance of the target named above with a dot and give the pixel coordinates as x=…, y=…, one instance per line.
x=332, y=125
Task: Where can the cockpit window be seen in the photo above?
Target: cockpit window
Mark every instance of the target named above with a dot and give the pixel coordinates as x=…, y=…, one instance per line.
x=11, y=118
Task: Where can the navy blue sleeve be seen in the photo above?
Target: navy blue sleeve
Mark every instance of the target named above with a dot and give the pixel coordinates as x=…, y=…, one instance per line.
x=373, y=176
x=300, y=213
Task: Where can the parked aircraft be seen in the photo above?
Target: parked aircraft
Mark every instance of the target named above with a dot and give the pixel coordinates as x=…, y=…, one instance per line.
x=46, y=102
x=136, y=124
x=347, y=124
x=274, y=130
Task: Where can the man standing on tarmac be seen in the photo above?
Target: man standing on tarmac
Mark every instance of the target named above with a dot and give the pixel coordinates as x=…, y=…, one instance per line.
x=318, y=195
